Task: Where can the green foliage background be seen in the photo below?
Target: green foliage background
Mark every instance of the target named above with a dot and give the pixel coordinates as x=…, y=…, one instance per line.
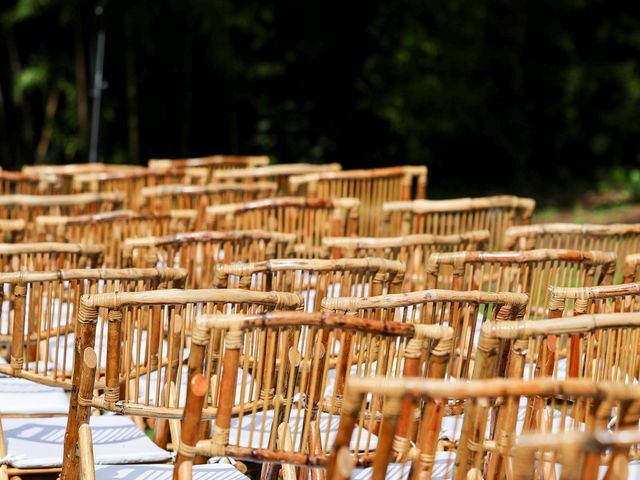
x=525, y=96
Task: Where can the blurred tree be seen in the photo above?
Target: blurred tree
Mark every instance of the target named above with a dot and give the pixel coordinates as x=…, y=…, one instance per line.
x=494, y=95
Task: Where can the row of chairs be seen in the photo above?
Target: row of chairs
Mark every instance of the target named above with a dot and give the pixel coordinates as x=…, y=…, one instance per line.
x=254, y=317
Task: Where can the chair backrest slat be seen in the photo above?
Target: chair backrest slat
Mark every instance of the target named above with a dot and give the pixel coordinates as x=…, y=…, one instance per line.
x=459, y=215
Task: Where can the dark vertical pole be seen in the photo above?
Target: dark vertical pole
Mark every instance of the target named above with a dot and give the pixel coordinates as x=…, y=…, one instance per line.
x=97, y=84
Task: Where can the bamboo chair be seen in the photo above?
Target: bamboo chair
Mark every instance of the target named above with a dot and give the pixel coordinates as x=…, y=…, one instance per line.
x=373, y=187
x=631, y=270
x=65, y=173
x=300, y=364
x=29, y=257
x=310, y=220
x=413, y=250
x=530, y=272
x=279, y=173
x=147, y=335
x=131, y=182
x=12, y=183
x=459, y=215
x=465, y=312
x=200, y=252
x=571, y=406
x=40, y=313
x=571, y=451
x=599, y=347
x=315, y=279
x=623, y=239
x=12, y=231
x=111, y=229
x=187, y=429
x=184, y=196
x=212, y=163
x=28, y=207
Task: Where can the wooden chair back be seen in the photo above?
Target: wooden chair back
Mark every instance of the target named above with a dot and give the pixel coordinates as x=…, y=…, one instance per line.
x=533, y=453
x=198, y=197
x=310, y=220
x=64, y=174
x=623, y=239
x=459, y=215
x=373, y=187
x=28, y=207
x=200, y=252
x=41, y=311
x=110, y=229
x=413, y=250
x=278, y=378
x=148, y=334
x=131, y=182
x=279, y=173
x=465, y=312
x=570, y=406
x=315, y=279
x=33, y=257
x=212, y=163
x=19, y=183
x=530, y=272
x=598, y=347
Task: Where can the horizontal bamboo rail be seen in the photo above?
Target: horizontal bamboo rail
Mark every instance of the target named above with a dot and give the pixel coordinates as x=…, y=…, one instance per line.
x=406, y=240
x=456, y=204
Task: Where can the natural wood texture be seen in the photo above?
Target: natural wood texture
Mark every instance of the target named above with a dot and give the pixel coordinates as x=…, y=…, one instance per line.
x=532, y=448
x=530, y=271
x=200, y=252
x=373, y=187
x=184, y=196
x=28, y=184
x=309, y=219
x=212, y=163
x=111, y=229
x=44, y=307
x=413, y=250
x=141, y=343
x=28, y=207
x=132, y=181
x=279, y=173
x=459, y=215
x=600, y=347
x=191, y=422
x=315, y=279
x=622, y=239
x=464, y=311
x=631, y=268
x=87, y=468
x=12, y=231
x=570, y=405
x=40, y=256
x=294, y=367
x=87, y=363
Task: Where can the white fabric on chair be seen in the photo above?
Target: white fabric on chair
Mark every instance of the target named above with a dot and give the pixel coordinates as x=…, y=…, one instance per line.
x=296, y=416
x=442, y=469
x=38, y=442
x=218, y=471
x=19, y=396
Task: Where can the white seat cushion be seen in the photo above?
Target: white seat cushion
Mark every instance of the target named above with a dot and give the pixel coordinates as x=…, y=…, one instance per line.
x=218, y=471
x=38, y=442
x=19, y=396
x=296, y=419
x=442, y=469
